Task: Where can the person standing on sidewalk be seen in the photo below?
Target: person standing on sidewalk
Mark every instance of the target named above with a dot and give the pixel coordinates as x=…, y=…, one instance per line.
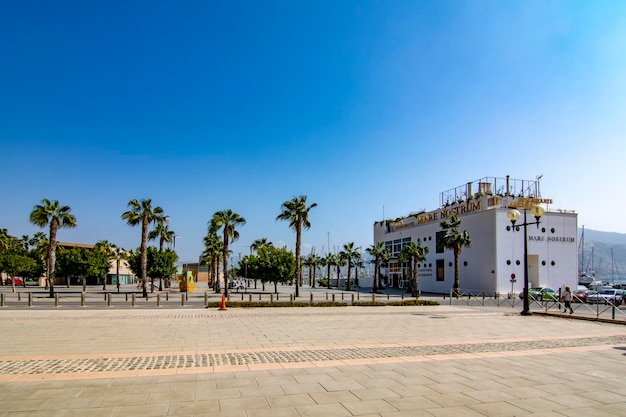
x=567, y=298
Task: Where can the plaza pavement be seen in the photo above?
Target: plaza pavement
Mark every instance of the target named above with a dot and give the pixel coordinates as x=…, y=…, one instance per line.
x=435, y=361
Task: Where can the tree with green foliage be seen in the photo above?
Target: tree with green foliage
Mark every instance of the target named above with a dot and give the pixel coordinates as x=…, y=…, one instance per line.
x=260, y=242
x=227, y=221
x=108, y=249
x=380, y=255
x=142, y=213
x=296, y=212
x=275, y=265
x=455, y=240
x=82, y=264
x=348, y=255
x=162, y=232
x=413, y=253
x=160, y=265
x=329, y=261
x=19, y=263
x=212, y=254
x=52, y=214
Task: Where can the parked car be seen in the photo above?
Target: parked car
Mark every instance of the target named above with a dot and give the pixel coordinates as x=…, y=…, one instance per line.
x=541, y=293
x=580, y=296
x=18, y=281
x=606, y=296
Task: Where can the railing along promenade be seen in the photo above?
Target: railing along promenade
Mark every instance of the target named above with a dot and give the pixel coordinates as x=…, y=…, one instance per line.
x=130, y=297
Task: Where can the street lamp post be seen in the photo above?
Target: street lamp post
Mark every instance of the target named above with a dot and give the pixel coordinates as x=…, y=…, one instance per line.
x=514, y=215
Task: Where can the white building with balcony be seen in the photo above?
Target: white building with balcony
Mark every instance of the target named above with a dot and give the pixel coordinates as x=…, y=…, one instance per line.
x=495, y=261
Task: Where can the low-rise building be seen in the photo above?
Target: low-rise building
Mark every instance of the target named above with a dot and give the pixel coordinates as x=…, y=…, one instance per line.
x=495, y=261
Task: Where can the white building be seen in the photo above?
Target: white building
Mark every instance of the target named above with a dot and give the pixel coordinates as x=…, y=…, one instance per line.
x=495, y=261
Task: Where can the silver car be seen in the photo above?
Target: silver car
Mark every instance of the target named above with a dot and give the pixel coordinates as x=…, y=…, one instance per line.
x=606, y=296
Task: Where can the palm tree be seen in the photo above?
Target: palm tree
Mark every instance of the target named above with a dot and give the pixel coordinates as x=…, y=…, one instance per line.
x=228, y=221
x=259, y=243
x=330, y=260
x=141, y=212
x=456, y=240
x=109, y=251
x=380, y=254
x=338, y=264
x=52, y=214
x=358, y=264
x=349, y=254
x=413, y=253
x=313, y=261
x=162, y=232
x=297, y=213
x=212, y=253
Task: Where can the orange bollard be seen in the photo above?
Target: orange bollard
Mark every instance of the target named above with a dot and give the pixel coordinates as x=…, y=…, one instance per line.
x=223, y=305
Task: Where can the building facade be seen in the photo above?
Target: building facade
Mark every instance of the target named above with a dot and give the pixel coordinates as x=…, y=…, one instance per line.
x=495, y=261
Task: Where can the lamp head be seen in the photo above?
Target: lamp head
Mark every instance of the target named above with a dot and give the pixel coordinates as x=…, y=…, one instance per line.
x=513, y=215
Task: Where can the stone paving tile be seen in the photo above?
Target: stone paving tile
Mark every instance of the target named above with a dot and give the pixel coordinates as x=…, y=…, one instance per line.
x=364, y=407
x=497, y=409
x=323, y=410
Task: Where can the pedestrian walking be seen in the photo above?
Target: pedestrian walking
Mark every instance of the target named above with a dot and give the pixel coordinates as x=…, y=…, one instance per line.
x=567, y=298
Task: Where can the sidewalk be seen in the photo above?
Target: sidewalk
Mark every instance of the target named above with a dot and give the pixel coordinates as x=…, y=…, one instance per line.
x=292, y=362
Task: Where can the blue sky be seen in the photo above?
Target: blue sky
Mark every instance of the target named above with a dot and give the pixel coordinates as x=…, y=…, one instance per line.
x=204, y=106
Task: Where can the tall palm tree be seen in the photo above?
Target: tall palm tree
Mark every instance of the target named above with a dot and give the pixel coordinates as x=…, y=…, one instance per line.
x=338, y=264
x=329, y=261
x=227, y=220
x=52, y=214
x=413, y=253
x=348, y=254
x=109, y=251
x=259, y=243
x=296, y=212
x=213, y=247
x=455, y=240
x=380, y=254
x=162, y=232
x=358, y=264
x=141, y=212
x=313, y=261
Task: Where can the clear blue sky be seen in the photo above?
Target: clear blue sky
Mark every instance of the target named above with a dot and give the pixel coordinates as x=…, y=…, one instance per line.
x=206, y=105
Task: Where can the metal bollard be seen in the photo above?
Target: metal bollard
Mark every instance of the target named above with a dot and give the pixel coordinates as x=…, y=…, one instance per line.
x=326, y=296
x=402, y=295
x=182, y=300
x=358, y=295
x=352, y=298
x=333, y=298
x=132, y=300
x=126, y=295
x=206, y=299
x=159, y=300
x=249, y=298
x=56, y=299
x=82, y=299
x=259, y=297
x=241, y=296
x=341, y=296
x=271, y=298
x=109, y=300
x=30, y=300
x=291, y=298
x=105, y=296
x=373, y=298
x=311, y=298
x=19, y=296
x=167, y=296
x=1, y=299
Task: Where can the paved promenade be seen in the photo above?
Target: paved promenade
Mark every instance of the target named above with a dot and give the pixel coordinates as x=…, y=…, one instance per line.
x=387, y=361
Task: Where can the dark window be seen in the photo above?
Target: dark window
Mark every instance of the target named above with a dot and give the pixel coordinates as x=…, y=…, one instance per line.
x=440, y=270
x=438, y=246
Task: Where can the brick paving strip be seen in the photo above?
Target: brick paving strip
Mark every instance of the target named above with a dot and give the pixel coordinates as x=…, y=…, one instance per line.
x=120, y=363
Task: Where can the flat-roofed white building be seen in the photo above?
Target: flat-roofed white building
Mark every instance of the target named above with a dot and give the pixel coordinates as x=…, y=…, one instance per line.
x=495, y=261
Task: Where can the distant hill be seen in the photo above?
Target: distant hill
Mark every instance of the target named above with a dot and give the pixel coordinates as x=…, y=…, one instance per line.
x=598, y=257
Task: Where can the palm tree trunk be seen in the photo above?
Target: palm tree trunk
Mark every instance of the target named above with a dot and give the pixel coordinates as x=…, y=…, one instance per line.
x=457, y=285
x=298, y=237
